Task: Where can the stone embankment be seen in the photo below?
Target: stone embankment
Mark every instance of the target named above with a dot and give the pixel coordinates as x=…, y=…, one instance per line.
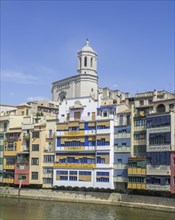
x=134, y=201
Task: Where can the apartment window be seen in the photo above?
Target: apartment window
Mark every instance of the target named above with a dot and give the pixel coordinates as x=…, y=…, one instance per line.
x=47, y=180
x=73, y=172
x=61, y=172
x=119, y=161
x=35, y=147
x=34, y=175
x=27, y=111
x=1, y=161
x=121, y=120
x=35, y=134
x=10, y=160
x=22, y=112
x=141, y=102
x=48, y=158
x=85, y=173
x=102, y=174
x=5, y=126
x=63, y=177
x=171, y=106
x=150, y=101
x=35, y=161
x=73, y=178
x=88, y=113
x=102, y=179
x=21, y=177
x=47, y=170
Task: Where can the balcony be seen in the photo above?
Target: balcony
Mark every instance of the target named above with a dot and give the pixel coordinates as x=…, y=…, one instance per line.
x=137, y=171
x=103, y=147
x=75, y=148
x=10, y=153
x=9, y=167
x=8, y=180
x=50, y=138
x=158, y=170
x=123, y=149
x=47, y=175
x=156, y=187
x=140, y=128
x=90, y=132
x=120, y=166
x=158, y=148
x=122, y=135
x=103, y=131
x=159, y=129
x=140, y=142
x=120, y=179
x=137, y=186
x=74, y=166
x=70, y=133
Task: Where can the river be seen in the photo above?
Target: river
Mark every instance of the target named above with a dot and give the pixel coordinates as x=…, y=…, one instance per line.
x=26, y=209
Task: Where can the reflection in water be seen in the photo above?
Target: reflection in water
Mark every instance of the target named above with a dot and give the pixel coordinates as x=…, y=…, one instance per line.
x=49, y=210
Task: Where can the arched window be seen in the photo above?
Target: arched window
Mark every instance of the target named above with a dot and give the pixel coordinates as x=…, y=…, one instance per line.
x=85, y=61
x=91, y=61
x=161, y=108
x=79, y=62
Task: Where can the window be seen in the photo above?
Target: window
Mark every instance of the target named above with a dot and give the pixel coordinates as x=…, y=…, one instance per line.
x=22, y=112
x=72, y=178
x=35, y=147
x=61, y=172
x=150, y=101
x=85, y=173
x=91, y=61
x=174, y=161
x=35, y=134
x=171, y=106
x=27, y=111
x=85, y=61
x=88, y=113
x=141, y=102
x=121, y=120
x=102, y=174
x=102, y=179
x=34, y=175
x=119, y=161
x=48, y=158
x=47, y=170
x=1, y=161
x=63, y=177
x=47, y=180
x=35, y=161
x=21, y=177
x=73, y=172
x=5, y=126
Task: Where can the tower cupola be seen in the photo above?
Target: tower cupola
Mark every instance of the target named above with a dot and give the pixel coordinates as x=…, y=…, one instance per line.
x=87, y=60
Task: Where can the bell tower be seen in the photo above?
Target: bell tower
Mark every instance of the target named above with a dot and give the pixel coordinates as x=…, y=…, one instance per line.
x=87, y=60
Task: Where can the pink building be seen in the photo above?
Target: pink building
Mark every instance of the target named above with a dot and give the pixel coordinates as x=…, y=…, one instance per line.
x=22, y=173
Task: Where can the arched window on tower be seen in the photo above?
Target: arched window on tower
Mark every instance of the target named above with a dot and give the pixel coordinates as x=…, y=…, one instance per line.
x=91, y=61
x=80, y=62
x=85, y=61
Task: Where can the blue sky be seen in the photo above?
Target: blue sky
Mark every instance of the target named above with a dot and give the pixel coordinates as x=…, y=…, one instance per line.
x=134, y=41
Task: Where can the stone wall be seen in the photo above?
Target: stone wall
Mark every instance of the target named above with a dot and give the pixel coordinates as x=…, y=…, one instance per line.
x=145, y=202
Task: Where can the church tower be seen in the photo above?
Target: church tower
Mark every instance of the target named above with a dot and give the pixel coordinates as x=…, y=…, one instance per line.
x=87, y=60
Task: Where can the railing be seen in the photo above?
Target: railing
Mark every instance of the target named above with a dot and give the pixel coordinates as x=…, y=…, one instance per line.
x=122, y=149
x=64, y=165
x=120, y=166
x=122, y=135
x=8, y=180
x=140, y=142
x=120, y=179
x=9, y=167
x=75, y=148
x=158, y=170
x=137, y=186
x=156, y=187
x=47, y=175
x=103, y=131
x=136, y=171
x=139, y=128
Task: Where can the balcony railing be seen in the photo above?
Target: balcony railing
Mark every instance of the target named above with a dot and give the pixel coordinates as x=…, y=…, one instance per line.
x=140, y=142
x=70, y=165
x=156, y=187
x=123, y=149
x=75, y=148
x=137, y=186
x=8, y=180
x=120, y=179
x=136, y=171
x=158, y=170
x=9, y=167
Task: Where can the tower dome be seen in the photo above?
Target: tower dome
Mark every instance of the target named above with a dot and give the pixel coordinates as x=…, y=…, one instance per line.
x=87, y=60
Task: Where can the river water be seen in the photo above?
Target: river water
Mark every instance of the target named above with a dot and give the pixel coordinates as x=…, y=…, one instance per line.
x=25, y=209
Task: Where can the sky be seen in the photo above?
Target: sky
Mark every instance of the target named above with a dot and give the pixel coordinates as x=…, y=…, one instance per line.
x=39, y=41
